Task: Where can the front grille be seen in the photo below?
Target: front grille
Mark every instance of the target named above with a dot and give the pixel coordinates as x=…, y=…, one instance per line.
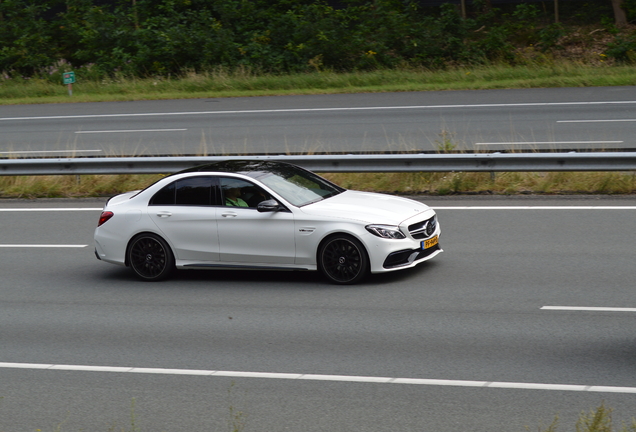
x=424, y=229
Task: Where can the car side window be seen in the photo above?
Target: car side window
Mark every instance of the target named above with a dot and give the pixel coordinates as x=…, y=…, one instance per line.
x=194, y=191
x=241, y=193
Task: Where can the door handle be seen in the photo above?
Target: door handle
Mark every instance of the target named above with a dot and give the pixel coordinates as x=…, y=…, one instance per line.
x=164, y=214
x=228, y=214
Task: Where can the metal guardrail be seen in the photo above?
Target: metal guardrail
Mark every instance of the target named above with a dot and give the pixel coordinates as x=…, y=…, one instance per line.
x=469, y=162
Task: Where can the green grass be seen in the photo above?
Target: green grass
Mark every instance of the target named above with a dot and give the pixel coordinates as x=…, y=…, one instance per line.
x=220, y=83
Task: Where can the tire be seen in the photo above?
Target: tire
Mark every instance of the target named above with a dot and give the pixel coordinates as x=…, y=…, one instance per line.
x=343, y=260
x=150, y=257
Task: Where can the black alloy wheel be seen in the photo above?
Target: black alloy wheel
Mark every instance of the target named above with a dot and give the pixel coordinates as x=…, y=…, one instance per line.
x=343, y=260
x=150, y=257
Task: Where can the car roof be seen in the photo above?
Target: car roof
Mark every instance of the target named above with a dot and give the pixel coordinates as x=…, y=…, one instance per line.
x=236, y=166
x=251, y=168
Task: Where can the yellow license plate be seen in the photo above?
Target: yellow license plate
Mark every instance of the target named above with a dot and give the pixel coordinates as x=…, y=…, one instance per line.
x=430, y=242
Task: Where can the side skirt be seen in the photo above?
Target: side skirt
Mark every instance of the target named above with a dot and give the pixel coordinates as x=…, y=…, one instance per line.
x=238, y=266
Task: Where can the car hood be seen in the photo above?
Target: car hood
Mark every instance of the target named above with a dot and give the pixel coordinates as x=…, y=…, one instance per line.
x=368, y=207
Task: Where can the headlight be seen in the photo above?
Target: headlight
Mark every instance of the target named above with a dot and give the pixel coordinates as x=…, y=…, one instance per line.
x=386, y=231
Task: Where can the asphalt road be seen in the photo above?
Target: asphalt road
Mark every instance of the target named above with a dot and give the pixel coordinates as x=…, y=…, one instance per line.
x=474, y=313
x=491, y=120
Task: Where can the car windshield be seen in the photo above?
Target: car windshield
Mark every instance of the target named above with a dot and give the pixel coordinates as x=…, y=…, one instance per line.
x=297, y=186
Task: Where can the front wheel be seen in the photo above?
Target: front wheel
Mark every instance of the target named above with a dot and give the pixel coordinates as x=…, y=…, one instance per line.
x=150, y=257
x=343, y=260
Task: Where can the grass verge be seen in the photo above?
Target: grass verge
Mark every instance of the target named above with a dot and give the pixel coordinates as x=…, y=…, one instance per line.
x=221, y=83
x=487, y=183
x=30, y=187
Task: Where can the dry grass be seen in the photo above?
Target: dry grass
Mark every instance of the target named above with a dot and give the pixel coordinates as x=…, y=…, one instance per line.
x=486, y=183
x=397, y=183
x=71, y=186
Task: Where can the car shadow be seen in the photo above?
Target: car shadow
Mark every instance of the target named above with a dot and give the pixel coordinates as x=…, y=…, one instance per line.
x=410, y=275
x=282, y=278
x=248, y=276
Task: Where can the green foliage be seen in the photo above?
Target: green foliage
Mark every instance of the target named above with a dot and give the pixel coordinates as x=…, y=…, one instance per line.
x=549, y=36
x=623, y=49
x=630, y=9
x=164, y=38
x=26, y=37
x=586, y=12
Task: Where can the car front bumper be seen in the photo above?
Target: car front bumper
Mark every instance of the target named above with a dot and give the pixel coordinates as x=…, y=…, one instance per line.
x=409, y=257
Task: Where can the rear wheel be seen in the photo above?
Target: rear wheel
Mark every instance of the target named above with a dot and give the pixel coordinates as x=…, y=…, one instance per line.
x=343, y=260
x=150, y=257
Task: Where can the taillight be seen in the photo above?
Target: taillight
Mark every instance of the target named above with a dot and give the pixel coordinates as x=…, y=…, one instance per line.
x=103, y=218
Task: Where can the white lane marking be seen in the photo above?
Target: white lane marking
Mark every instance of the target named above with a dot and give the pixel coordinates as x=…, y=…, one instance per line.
x=596, y=121
x=588, y=308
x=318, y=377
x=49, y=151
x=41, y=246
x=288, y=110
x=131, y=130
x=535, y=208
x=50, y=209
x=550, y=142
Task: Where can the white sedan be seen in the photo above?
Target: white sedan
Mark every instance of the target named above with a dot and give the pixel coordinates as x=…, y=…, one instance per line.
x=263, y=215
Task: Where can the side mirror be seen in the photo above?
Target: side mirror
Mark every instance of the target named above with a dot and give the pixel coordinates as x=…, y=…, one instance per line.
x=268, y=206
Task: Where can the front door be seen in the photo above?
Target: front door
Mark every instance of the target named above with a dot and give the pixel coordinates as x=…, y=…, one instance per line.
x=248, y=236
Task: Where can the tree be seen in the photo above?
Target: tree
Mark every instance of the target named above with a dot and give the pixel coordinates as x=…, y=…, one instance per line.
x=620, y=17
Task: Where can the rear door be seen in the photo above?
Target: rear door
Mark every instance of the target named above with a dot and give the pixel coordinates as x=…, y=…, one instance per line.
x=185, y=213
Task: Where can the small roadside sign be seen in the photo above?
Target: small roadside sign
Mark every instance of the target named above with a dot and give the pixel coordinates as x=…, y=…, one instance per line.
x=69, y=78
